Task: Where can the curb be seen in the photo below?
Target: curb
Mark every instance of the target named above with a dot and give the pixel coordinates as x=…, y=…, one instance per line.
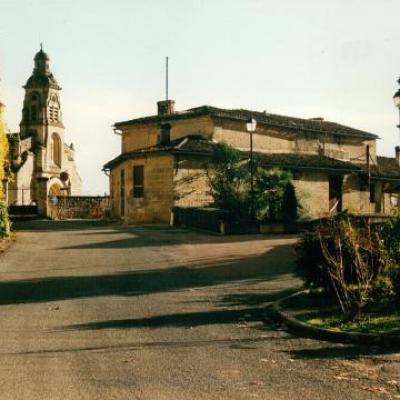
x=302, y=329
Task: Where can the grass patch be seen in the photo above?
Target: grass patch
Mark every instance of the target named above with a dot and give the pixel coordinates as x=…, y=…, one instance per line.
x=377, y=318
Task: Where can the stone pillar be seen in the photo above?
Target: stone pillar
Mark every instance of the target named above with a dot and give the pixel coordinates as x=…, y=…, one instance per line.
x=42, y=197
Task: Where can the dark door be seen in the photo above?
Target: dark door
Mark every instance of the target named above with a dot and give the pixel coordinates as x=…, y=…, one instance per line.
x=335, y=193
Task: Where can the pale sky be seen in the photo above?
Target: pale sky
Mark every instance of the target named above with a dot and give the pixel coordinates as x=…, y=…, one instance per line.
x=337, y=59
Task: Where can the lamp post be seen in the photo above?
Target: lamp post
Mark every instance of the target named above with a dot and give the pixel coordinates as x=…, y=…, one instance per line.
x=396, y=99
x=251, y=126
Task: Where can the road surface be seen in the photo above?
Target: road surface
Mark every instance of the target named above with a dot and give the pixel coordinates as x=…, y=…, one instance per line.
x=96, y=311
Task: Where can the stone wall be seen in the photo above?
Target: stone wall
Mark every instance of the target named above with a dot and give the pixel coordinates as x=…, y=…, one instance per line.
x=191, y=185
x=85, y=207
x=158, y=198
x=280, y=140
x=140, y=136
x=312, y=190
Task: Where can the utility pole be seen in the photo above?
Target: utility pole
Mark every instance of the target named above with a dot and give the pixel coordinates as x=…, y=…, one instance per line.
x=166, y=78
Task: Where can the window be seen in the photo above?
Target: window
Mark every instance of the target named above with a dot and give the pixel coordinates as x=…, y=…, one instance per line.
x=56, y=149
x=138, y=181
x=54, y=109
x=33, y=112
x=165, y=134
x=122, y=193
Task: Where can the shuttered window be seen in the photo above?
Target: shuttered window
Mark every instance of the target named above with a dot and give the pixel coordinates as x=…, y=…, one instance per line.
x=138, y=181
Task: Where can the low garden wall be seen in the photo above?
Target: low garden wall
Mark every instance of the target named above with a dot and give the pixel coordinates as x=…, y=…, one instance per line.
x=213, y=220
x=83, y=207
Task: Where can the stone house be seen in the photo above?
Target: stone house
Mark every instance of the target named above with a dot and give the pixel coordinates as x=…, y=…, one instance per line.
x=42, y=165
x=162, y=160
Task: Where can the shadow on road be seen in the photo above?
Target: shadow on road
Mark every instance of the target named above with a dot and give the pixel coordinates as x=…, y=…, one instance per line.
x=260, y=267
x=187, y=320
x=141, y=236
x=199, y=318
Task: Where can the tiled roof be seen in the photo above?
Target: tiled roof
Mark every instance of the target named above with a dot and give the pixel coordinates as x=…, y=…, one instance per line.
x=306, y=161
x=190, y=144
x=272, y=120
x=387, y=167
x=195, y=145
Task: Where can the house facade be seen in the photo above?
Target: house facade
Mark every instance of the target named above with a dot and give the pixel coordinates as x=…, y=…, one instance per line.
x=162, y=161
x=42, y=164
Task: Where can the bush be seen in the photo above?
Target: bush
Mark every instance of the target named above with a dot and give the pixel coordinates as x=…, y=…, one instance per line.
x=290, y=207
x=309, y=262
x=229, y=177
x=349, y=261
x=390, y=234
x=4, y=221
x=270, y=188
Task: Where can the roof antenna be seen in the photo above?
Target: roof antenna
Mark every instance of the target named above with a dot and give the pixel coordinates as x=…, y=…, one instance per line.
x=41, y=46
x=166, y=78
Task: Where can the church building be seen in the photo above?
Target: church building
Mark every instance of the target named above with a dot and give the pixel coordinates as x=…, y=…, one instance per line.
x=42, y=165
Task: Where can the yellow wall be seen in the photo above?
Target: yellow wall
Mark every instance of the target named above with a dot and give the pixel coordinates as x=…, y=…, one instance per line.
x=280, y=140
x=312, y=190
x=141, y=136
x=191, y=185
x=158, y=190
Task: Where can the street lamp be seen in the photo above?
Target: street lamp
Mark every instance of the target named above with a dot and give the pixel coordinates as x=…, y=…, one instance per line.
x=396, y=99
x=251, y=126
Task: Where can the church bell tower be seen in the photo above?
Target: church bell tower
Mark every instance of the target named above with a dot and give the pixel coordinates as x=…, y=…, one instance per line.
x=42, y=117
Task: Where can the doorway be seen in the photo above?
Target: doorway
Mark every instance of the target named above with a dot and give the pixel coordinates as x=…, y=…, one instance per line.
x=335, y=193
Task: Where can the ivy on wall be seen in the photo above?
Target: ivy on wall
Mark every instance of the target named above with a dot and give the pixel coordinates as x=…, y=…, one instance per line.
x=3, y=151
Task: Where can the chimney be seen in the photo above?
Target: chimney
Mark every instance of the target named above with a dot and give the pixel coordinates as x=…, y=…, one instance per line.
x=397, y=150
x=166, y=107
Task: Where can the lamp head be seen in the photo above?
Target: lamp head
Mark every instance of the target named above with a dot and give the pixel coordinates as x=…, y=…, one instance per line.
x=251, y=125
x=396, y=99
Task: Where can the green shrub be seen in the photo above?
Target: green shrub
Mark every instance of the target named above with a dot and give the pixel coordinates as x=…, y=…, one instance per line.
x=309, y=262
x=4, y=221
x=270, y=188
x=229, y=177
x=349, y=260
x=390, y=234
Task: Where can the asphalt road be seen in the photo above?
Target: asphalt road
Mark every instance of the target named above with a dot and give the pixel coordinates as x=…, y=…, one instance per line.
x=91, y=311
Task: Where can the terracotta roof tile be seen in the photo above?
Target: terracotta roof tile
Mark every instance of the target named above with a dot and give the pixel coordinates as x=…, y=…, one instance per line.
x=273, y=120
x=199, y=146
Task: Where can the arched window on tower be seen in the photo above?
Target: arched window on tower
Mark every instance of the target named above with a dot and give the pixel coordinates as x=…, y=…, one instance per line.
x=56, y=149
x=33, y=110
x=54, y=109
